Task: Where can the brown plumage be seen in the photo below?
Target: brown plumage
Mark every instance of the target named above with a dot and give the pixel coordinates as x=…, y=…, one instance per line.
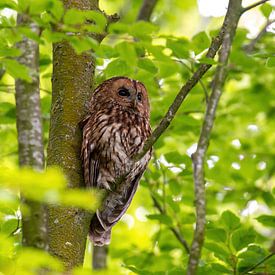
x=115, y=130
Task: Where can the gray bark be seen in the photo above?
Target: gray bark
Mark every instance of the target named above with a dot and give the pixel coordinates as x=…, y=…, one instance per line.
x=100, y=257
x=232, y=18
x=30, y=133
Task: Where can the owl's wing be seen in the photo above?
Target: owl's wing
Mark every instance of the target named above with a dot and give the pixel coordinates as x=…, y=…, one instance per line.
x=94, y=170
x=89, y=156
x=117, y=203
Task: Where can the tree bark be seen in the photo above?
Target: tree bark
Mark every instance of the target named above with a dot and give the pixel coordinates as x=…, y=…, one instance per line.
x=146, y=10
x=99, y=260
x=71, y=82
x=30, y=133
x=233, y=15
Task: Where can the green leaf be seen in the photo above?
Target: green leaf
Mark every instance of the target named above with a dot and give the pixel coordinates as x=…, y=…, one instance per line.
x=8, y=4
x=76, y=17
x=242, y=238
x=175, y=187
x=82, y=44
x=164, y=219
x=86, y=199
x=267, y=220
x=200, y=42
x=9, y=226
x=157, y=52
x=127, y=53
x=30, y=259
x=216, y=234
x=167, y=68
x=248, y=258
x=221, y=268
x=177, y=158
x=205, y=60
x=118, y=28
x=180, y=47
x=220, y=251
x=17, y=70
x=53, y=37
x=148, y=65
x=28, y=32
x=44, y=60
x=230, y=220
x=270, y=62
x=142, y=29
x=8, y=51
x=266, y=9
x=57, y=9
x=34, y=7
x=117, y=67
x=268, y=198
x=106, y=51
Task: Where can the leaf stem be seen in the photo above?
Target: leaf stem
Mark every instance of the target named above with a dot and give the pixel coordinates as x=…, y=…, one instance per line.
x=259, y=263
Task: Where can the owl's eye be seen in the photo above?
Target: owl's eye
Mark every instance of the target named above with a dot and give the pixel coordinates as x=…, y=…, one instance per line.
x=124, y=92
x=139, y=96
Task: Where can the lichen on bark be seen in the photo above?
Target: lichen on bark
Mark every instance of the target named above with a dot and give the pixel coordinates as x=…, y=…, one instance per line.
x=72, y=82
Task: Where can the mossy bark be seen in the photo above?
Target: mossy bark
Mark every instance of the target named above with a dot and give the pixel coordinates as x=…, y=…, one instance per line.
x=29, y=129
x=72, y=82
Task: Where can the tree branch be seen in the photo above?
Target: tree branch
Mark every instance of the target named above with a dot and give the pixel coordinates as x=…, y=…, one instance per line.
x=146, y=10
x=253, y=5
x=250, y=47
x=259, y=263
x=233, y=14
x=184, y=91
x=174, y=230
x=30, y=135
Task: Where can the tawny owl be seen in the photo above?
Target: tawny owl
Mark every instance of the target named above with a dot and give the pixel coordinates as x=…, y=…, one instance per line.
x=115, y=130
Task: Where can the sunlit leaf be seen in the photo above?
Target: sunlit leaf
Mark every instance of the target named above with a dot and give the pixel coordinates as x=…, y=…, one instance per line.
x=270, y=62
x=242, y=238
x=266, y=220
x=266, y=9
x=16, y=70
x=230, y=220
x=161, y=218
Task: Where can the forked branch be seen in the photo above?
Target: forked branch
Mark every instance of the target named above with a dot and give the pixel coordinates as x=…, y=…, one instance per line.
x=253, y=5
x=233, y=15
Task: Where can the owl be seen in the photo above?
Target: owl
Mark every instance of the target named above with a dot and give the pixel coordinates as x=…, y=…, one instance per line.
x=114, y=131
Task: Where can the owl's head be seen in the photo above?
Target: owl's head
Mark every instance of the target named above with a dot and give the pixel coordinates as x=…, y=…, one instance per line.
x=128, y=93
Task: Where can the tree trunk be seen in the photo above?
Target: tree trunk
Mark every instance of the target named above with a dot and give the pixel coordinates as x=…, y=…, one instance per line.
x=72, y=80
x=100, y=257
x=30, y=141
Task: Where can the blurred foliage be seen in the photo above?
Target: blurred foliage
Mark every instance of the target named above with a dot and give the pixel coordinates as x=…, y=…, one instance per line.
x=240, y=162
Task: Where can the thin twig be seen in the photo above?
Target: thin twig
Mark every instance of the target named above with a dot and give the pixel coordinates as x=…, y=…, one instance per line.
x=259, y=263
x=250, y=47
x=2, y=72
x=184, y=91
x=254, y=5
x=200, y=81
x=233, y=14
x=174, y=230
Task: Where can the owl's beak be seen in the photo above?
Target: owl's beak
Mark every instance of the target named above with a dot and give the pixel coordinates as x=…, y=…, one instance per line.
x=133, y=98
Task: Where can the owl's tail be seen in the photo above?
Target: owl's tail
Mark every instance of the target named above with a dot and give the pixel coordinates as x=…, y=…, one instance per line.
x=98, y=234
